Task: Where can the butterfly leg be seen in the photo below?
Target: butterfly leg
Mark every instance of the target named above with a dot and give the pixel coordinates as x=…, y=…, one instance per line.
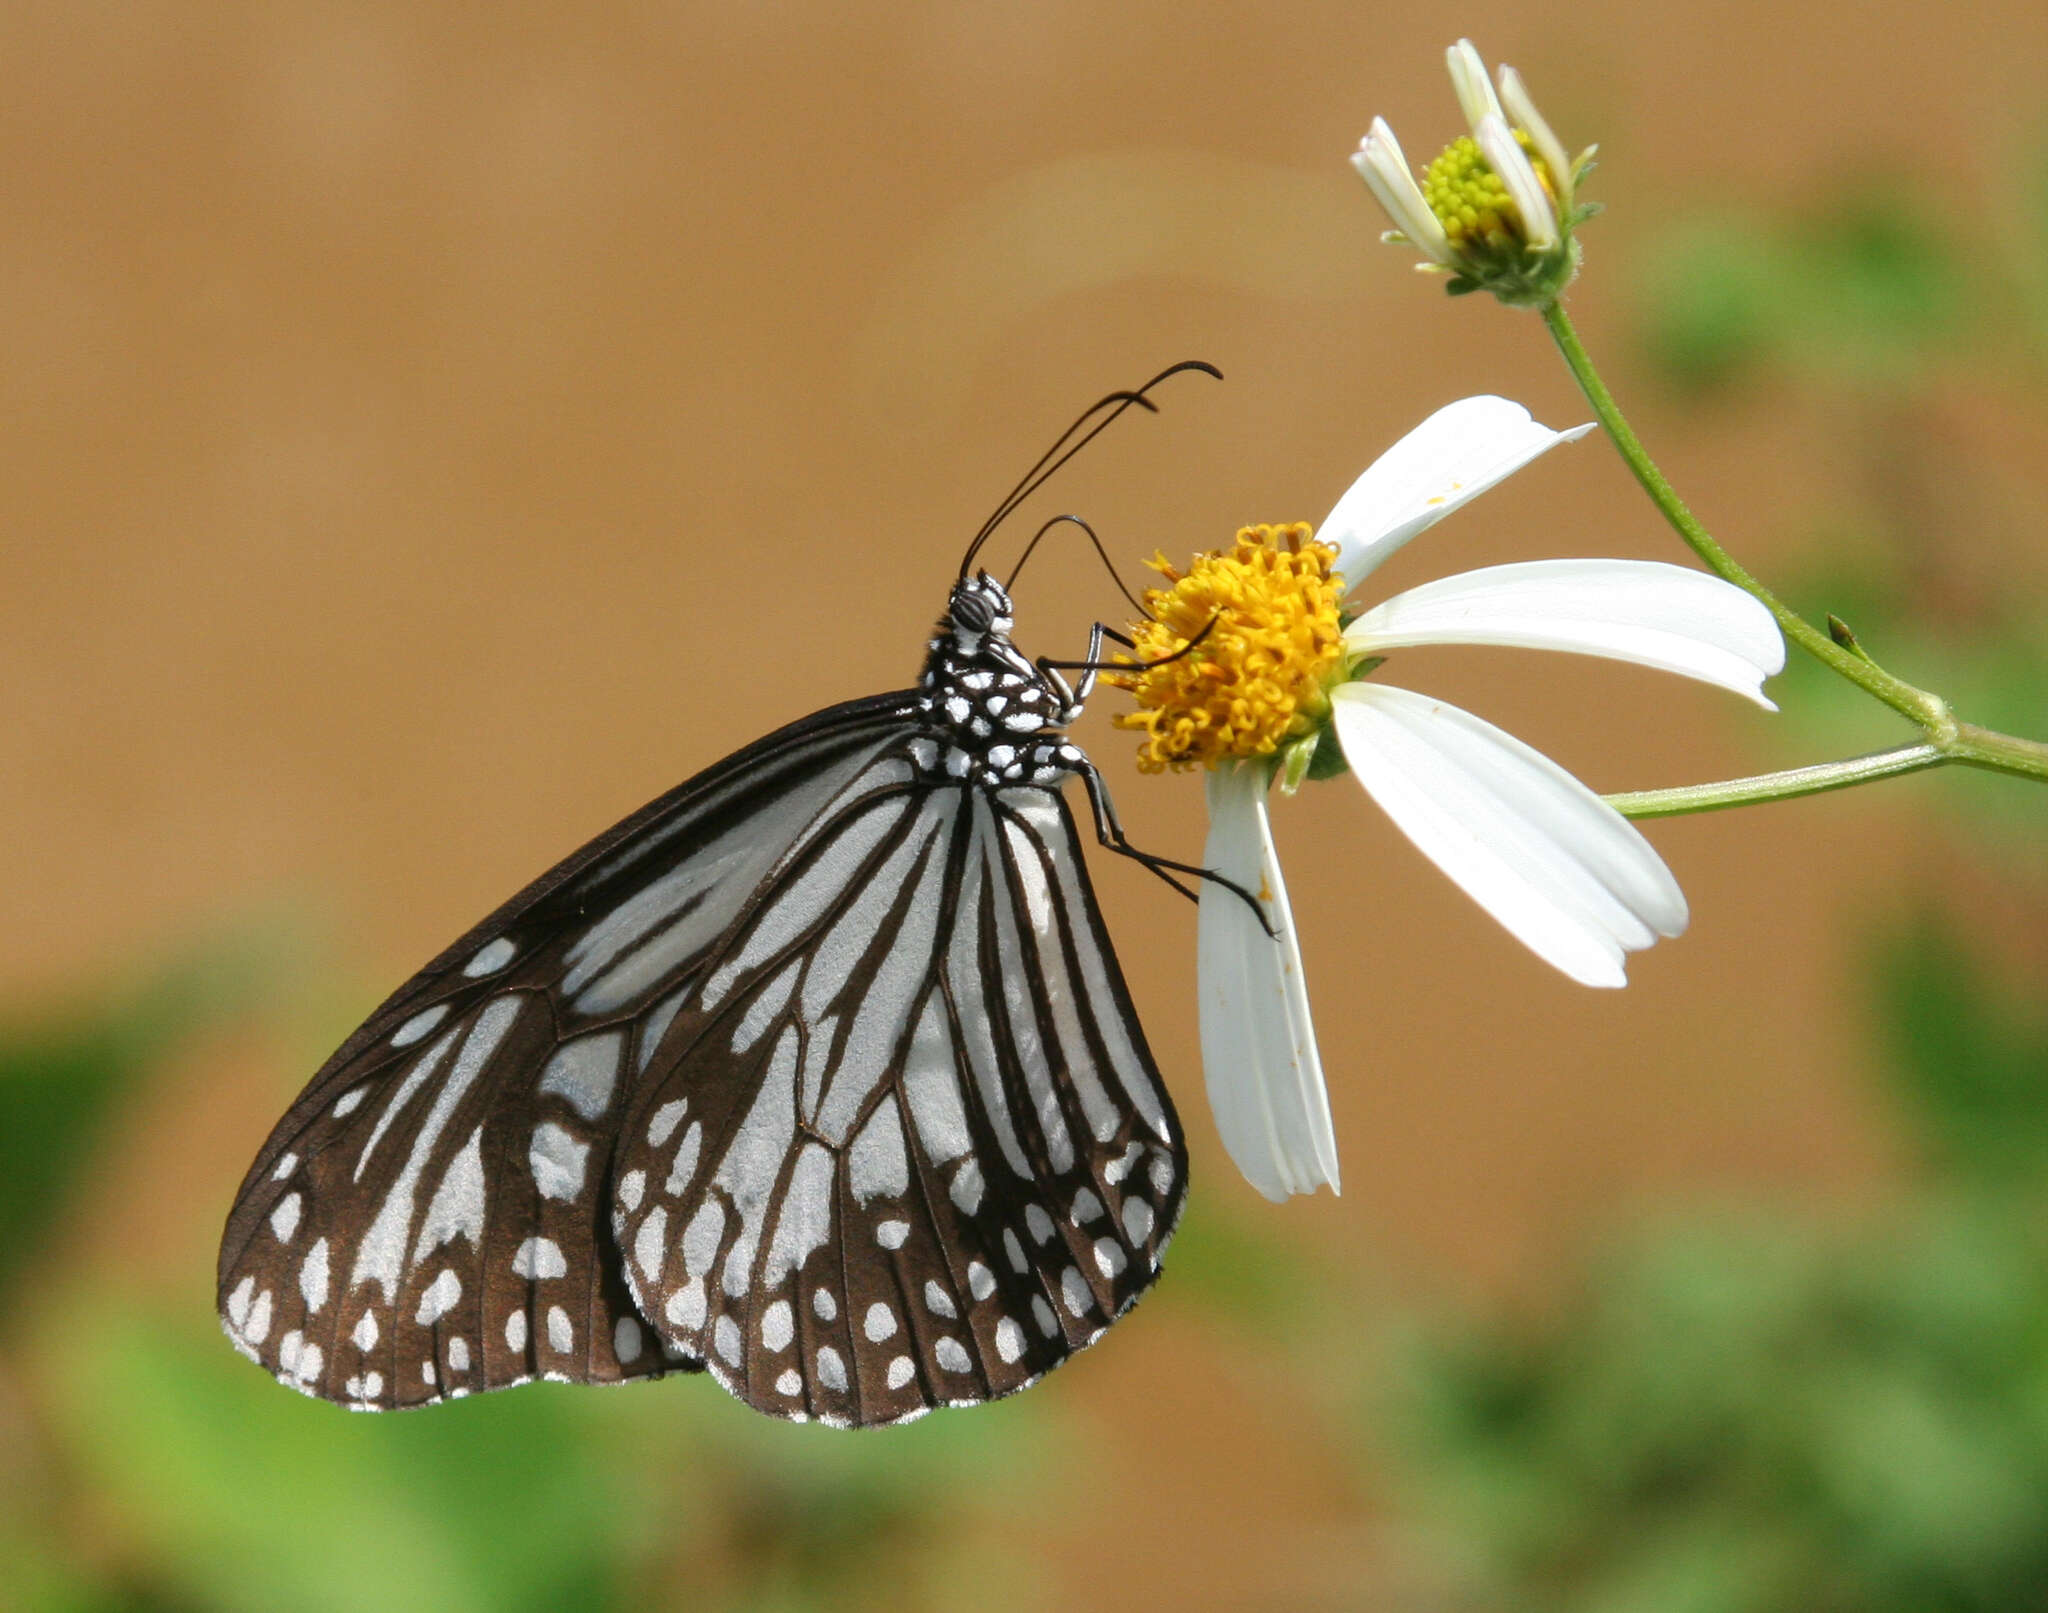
x=1111, y=833
x=1092, y=664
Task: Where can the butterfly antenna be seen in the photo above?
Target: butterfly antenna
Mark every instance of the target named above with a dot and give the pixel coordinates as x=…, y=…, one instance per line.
x=1093, y=421
x=1010, y=582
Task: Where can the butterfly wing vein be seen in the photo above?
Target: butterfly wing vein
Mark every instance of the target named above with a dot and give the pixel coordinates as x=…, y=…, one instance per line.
x=814, y=1072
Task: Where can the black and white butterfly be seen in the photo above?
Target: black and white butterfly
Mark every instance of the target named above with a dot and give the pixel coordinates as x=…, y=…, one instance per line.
x=818, y=1072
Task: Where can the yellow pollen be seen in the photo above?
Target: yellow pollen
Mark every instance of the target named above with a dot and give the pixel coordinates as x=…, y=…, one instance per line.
x=1260, y=675
x=1471, y=201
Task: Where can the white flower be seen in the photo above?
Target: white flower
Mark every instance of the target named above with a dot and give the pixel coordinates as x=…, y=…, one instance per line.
x=1564, y=873
x=1496, y=209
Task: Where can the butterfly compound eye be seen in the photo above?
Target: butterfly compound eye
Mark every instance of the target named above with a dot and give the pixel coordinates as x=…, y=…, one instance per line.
x=972, y=609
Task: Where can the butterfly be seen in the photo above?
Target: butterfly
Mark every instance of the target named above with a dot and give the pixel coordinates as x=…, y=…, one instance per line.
x=818, y=1073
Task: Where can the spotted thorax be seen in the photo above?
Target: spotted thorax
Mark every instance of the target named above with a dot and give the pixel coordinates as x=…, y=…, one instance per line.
x=1497, y=209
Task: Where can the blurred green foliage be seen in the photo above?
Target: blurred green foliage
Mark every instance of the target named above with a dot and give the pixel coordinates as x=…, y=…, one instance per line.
x=64, y=1071
x=1916, y=327
x=1749, y=1414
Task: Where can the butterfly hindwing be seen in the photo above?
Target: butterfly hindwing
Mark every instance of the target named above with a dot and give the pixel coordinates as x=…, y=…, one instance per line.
x=433, y=1215
x=903, y=1145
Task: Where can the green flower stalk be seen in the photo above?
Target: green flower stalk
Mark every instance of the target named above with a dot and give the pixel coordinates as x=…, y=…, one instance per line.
x=1497, y=209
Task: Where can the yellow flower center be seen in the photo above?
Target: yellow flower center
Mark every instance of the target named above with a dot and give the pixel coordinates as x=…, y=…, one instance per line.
x=1260, y=675
x=1471, y=201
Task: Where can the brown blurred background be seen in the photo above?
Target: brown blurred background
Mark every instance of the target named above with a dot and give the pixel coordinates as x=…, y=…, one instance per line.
x=431, y=432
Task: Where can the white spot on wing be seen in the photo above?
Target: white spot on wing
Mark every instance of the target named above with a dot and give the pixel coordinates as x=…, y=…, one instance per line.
x=931, y=1081
x=687, y=1305
x=440, y=1298
x=416, y=1027
x=627, y=1340
x=1039, y=1222
x=313, y=1277
x=1009, y=1339
x=823, y=1305
x=1110, y=1259
x=952, y=1355
x=458, y=1355
x=257, y=1326
x=365, y=1336
x=655, y=1026
x=966, y=1187
x=287, y=1163
x=1087, y=1207
x=981, y=1282
x=490, y=958
x=347, y=1103
x=665, y=1120
x=238, y=1301
x=901, y=1372
x=778, y=1326
x=700, y=1237
x=880, y=1323
x=457, y=1207
x=1074, y=1292
x=685, y=1166
x=790, y=1383
x=727, y=1338
x=890, y=1234
x=1138, y=1220
x=831, y=1370
x=585, y=1071
x=515, y=1332
x=877, y=1164
x=1013, y=1246
x=1048, y=1324
x=556, y=1159
x=561, y=1336
x=539, y=1257
x=284, y=1220
x=632, y=1188
x=650, y=1242
x=805, y=1223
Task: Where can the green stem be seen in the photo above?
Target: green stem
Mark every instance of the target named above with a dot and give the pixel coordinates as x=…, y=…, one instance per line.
x=1951, y=739
x=1784, y=786
x=1928, y=710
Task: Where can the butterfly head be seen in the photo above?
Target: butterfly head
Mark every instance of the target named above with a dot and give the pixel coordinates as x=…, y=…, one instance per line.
x=978, y=610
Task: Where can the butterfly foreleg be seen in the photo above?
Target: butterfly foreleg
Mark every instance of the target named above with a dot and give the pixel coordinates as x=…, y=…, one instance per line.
x=1092, y=663
x=1111, y=833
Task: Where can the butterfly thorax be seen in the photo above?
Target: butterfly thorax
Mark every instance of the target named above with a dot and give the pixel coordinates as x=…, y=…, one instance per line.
x=994, y=717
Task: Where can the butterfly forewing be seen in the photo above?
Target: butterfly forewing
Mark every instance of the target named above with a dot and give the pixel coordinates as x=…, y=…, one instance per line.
x=433, y=1216
x=903, y=1146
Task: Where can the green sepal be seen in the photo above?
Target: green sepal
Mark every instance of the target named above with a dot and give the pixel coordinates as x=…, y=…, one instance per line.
x=1326, y=756
x=1296, y=759
x=1365, y=668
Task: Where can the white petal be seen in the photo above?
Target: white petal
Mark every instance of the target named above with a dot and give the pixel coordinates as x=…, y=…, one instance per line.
x=1384, y=167
x=1505, y=156
x=1523, y=110
x=1452, y=457
x=1567, y=875
x=1630, y=610
x=1468, y=78
x=1258, y=1047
